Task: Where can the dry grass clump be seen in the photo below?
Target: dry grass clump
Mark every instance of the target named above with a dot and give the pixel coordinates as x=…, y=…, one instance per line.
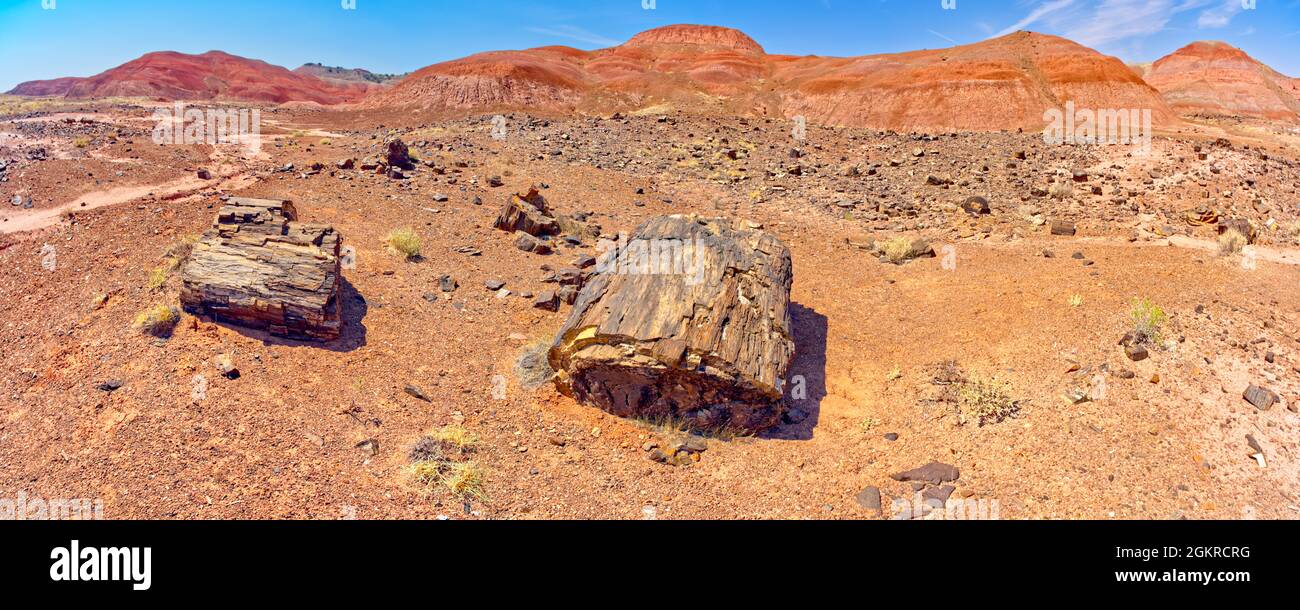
x=902, y=249
x=984, y=401
x=404, y=242
x=176, y=256
x=464, y=479
x=433, y=464
x=157, y=278
x=158, y=320
x=1292, y=231
x=1148, y=319
x=455, y=437
x=1232, y=242
x=1061, y=190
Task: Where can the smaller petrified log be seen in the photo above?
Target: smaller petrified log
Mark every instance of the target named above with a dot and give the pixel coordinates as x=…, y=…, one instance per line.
x=259, y=269
x=527, y=213
x=689, y=321
x=397, y=154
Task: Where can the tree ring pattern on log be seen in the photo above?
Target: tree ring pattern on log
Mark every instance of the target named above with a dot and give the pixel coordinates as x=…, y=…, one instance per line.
x=708, y=347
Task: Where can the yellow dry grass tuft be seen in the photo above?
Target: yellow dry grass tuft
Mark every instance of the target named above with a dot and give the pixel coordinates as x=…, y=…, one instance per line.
x=1232, y=242
x=463, y=479
x=455, y=436
x=984, y=401
x=900, y=250
x=404, y=242
x=158, y=320
x=1061, y=190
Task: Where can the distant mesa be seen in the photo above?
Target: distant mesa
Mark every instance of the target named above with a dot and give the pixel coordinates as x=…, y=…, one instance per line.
x=346, y=75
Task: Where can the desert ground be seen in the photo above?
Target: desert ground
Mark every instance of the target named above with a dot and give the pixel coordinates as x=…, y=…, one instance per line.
x=90, y=406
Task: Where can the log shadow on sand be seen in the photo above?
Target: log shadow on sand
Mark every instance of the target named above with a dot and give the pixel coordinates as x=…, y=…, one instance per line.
x=809, y=366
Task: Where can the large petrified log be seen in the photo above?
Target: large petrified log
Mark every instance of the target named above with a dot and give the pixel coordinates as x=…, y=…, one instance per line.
x=259, y=268
x=688, y=320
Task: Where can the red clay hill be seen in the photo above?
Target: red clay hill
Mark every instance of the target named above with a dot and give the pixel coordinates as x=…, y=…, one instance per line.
x=211, y=76
x=1215, y=78
x=1003, y=83
x=998, y=84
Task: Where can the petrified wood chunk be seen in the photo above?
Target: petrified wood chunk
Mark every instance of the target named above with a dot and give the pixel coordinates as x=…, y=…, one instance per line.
x=688, y=320
x=527, y=213
x=258, y=268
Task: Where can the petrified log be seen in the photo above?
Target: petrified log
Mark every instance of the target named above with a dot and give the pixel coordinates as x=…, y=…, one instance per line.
x=689, y=321
x=259, y=268
x=527, y=213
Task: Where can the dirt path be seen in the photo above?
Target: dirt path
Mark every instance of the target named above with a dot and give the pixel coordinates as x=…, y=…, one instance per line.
x=31, y=220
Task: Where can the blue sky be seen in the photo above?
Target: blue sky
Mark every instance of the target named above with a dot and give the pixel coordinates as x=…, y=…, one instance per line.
x=84, y=37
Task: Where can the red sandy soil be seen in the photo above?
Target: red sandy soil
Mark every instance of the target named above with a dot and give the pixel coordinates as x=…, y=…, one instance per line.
x=1168, y=439
x=1215, y=78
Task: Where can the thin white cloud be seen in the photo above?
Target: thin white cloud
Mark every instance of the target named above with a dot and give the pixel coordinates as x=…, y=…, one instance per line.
x=942, y=36
x=571, y=32
x=1043, y=10
x=1116, y=20
x=1221, y=15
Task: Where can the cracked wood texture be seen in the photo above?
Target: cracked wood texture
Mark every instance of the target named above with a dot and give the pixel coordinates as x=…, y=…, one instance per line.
x=688, y=321
x=259, y=268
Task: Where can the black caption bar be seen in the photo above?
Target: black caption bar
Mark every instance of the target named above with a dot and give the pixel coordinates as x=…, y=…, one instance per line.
x=324, y=558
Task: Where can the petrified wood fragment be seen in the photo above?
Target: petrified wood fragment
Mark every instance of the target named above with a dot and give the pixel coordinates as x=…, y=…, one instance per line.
x=259, y=268
x=527, y=213
x=688, y=320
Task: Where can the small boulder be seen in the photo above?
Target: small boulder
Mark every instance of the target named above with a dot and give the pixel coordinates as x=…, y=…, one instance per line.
x=1062, y=227
x=1261, y=398
x=976, y=206
x=548, y=300
x=869, y=499
x=933, y=473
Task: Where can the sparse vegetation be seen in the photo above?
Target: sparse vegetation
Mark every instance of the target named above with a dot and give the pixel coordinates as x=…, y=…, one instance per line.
x=464, y=479
x=456, y=437
x=1293, y=230
x=404, y=242
x=1232, y=242
x=157, y=278
x=1148, y=319
x=176, y=256
x=532, y=368
x=895, y=374
x=678, y=427
x=984, y=401
x=868, y=424
x=158, y=320
x=81, y=142
x=1061, y=190
x=902, y=249
x=1076, y=301
x=434, y=462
